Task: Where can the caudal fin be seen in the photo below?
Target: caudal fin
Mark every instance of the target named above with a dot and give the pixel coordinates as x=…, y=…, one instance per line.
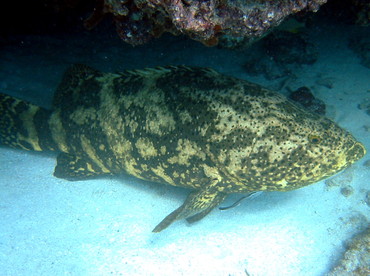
x=24, y=125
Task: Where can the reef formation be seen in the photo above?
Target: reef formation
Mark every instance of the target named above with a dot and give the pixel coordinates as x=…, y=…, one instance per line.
x=361, y=47
x=138, y=21
x=355, y=12
x=356, y=259
x=279, y=54
x=305, y=97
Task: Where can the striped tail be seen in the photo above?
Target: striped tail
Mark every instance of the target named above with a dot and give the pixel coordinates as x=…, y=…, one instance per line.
x=24, y=125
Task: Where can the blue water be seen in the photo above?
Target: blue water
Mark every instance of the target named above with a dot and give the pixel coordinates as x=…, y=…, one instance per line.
x=50, y=226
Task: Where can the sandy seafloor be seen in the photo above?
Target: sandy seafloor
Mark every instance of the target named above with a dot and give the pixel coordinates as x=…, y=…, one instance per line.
x=50, y=226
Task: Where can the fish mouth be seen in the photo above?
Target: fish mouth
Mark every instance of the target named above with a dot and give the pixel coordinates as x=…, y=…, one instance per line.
x=356, y=152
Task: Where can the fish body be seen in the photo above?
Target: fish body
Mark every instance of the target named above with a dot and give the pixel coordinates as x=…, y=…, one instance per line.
x=184, y=126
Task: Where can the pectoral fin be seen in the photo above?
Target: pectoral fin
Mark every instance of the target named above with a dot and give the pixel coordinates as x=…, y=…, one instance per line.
x=197, y=205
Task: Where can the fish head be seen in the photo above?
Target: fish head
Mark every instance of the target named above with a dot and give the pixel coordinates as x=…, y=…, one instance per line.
x=288, y=148
x=325, y=149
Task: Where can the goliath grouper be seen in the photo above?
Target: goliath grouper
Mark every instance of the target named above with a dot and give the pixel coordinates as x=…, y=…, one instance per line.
x=187, y=127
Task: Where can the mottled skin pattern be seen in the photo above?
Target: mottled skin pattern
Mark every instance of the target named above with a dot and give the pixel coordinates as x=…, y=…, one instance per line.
x=188, y=127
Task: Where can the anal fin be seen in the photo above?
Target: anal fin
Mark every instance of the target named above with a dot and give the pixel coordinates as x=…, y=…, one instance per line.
x=196, y=206
x=73, y=168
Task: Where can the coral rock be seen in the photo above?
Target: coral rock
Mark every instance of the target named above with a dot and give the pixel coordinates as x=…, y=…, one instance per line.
x=138, y=21
x=304, y=96
x=356, y=259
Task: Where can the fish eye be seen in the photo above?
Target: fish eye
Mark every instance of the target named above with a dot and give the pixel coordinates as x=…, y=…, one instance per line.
x=314, y=139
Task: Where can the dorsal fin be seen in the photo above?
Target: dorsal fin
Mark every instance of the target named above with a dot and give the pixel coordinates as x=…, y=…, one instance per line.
x=146, y=71
x=160, y=70
x=71, y=80
x=74, y=87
